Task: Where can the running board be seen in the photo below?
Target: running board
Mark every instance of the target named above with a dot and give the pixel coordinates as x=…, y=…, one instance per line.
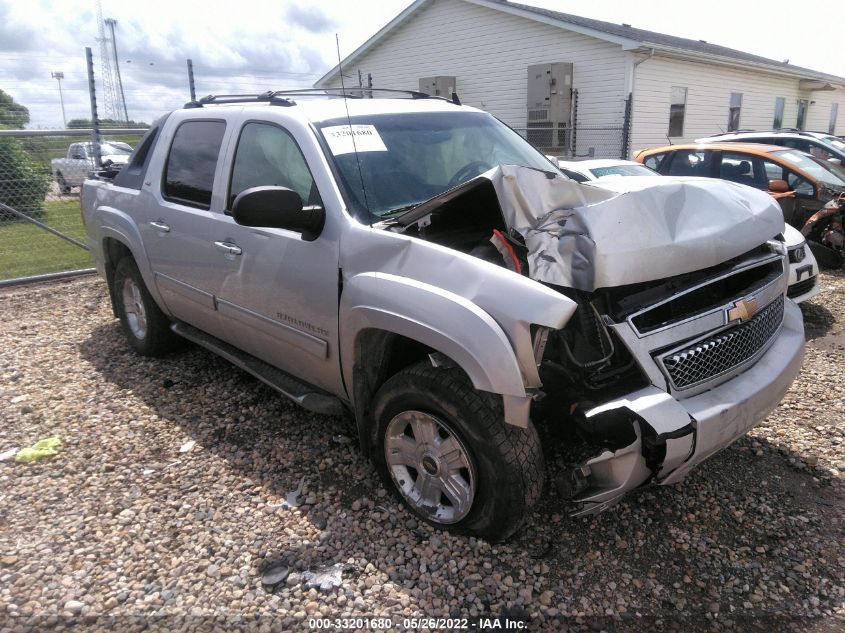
x=303, y=394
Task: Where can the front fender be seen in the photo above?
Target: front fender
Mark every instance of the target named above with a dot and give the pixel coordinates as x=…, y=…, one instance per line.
x=441, y=320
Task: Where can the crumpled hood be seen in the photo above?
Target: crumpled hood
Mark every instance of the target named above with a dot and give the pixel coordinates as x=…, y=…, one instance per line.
x=628, y=230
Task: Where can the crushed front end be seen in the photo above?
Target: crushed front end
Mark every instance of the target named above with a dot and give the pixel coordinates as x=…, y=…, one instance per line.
x=658, y=376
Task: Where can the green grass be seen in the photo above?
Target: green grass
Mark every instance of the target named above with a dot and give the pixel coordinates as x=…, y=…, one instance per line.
x=26, y=249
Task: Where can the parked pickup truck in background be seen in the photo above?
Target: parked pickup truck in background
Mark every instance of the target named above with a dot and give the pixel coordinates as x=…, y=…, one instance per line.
x=415, y=265
x=72, y=171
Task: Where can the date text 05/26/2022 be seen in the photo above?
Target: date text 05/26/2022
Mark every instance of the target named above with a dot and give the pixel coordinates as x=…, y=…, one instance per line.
x=411, y=624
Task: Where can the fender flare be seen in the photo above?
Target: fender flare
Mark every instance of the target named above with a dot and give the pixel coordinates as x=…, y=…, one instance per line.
x=126, y=232
x=441, y=320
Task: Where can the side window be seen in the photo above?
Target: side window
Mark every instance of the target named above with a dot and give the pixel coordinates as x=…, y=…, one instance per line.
x=688, y=162
x=799, y=185
x=797, y=143
x=655, y=161
x=268, y=155
x=677, y=110
x=744, y=169
x=773, y=170
x=818, y=150
x=189, y=173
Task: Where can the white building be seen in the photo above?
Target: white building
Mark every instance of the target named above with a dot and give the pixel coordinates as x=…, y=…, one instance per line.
x=484, y=49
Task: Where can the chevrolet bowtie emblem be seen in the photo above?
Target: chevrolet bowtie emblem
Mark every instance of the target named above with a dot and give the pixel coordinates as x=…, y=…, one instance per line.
x=743, y=310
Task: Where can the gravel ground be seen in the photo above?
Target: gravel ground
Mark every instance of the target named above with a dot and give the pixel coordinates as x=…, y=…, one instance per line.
x=132, y=520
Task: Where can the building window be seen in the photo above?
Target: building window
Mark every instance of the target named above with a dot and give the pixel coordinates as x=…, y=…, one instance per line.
x=677, y=109
x=801, y=120
x=733, y=111
x=780, y=102
x=834, y=114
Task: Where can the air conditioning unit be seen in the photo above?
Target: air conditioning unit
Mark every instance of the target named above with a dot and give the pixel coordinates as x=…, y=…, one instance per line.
x=549, y=105
x=440, y=86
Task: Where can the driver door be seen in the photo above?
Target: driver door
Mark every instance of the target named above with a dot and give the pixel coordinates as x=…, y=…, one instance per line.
x=279, y=296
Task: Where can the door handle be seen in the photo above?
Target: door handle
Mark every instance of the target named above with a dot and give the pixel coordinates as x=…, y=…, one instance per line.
x=160, y=226
x=228, y=248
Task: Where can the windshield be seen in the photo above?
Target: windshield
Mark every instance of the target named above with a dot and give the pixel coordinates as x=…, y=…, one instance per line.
x=834, y=142
x=816, y=168
x=623, y=170
x=408, y=158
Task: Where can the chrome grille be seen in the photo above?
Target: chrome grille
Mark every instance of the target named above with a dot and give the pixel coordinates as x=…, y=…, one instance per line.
x=720, y=353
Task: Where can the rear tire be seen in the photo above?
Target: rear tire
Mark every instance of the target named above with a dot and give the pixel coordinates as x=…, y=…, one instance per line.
x=146, y=327
x=63, y=186
x=447, y=452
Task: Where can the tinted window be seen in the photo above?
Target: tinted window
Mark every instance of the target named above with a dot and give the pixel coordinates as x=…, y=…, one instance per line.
x=687, y=162
x=655, y=161
x=744, y=169
x=189, y=175
x=268, y=155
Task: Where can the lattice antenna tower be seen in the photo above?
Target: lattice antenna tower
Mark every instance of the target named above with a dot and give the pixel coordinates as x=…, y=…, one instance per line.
x=111, y=98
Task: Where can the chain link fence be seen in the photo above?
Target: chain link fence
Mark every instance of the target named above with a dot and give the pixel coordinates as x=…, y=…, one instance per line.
x=581, y=142
x=41, y=172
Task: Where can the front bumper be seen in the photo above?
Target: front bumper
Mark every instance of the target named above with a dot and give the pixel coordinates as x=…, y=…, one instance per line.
x=673, y=435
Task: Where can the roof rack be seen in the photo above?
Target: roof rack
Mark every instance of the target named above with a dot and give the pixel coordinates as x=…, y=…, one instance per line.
x=280, y=97
x=795, y=130
x=731, y=132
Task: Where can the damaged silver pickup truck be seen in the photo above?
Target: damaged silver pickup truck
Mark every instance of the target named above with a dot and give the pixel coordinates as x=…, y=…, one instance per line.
x=416, y=264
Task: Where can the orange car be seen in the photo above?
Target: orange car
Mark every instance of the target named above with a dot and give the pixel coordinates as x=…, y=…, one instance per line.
x=802, y=184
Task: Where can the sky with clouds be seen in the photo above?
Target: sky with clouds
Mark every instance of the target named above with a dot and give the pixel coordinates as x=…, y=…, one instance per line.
x=256, y=45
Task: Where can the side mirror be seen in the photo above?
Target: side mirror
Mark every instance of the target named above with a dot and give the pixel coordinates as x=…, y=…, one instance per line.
x=778, y=186
x=279, y=208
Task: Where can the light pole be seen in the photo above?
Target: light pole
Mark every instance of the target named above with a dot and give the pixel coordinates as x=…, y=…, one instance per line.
x=58, y=76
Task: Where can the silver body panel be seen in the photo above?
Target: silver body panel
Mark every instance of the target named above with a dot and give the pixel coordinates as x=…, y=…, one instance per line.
x=303, y=306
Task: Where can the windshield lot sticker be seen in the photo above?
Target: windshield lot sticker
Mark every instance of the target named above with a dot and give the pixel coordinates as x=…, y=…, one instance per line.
x=367, y=139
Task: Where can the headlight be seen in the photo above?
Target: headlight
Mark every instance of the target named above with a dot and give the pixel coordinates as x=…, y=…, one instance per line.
x=798, y=254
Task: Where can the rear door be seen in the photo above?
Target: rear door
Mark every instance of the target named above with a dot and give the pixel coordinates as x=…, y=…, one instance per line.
x=180, y=225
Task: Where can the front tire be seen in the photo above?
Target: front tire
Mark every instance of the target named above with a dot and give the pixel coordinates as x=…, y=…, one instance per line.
x=146, y=327
x=447, y=452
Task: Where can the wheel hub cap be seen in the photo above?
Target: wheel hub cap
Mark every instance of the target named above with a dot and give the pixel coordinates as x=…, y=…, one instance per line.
x=133, y=307
x=430, y=466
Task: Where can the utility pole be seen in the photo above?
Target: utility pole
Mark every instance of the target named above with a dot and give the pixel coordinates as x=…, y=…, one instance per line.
x=95, y=119
x=58, y=76
x=111, y=23
x=191, y=80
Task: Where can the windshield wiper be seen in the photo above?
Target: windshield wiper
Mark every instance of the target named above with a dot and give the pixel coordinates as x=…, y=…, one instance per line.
x=399, y=210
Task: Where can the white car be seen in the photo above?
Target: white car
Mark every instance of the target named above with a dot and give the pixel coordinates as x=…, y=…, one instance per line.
x=803, y=269
x=585, y=170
